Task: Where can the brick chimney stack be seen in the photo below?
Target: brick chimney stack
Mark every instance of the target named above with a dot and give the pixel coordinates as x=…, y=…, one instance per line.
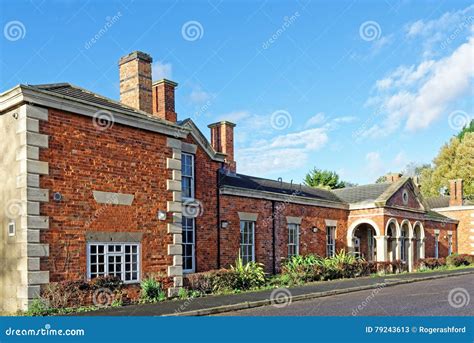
x=222, y=140
x=455, y=192
x=163, y=100
x=135, y=81
x=393, y=177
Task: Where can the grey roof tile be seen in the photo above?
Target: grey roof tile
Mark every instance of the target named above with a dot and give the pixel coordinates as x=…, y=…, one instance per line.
x=361, y=194
x=256, y=183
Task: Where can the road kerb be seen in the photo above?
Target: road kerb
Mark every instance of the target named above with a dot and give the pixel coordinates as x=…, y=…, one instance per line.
x=314, y=295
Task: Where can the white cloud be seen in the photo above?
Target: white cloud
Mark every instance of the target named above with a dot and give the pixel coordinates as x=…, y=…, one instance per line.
x=416, y=96
x=235, y=116
x=198, y=96
x=441, y=31
x=282, y=153
x=161, y=70
x=317, y=119
x=310, y=139
x=400, y=160
x=374, y=165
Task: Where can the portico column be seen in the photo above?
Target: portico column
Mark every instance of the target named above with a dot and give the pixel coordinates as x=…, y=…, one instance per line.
x=410, y=254
x=350, y=245
x=397, y=246
x=422, y=248
x=382, y=250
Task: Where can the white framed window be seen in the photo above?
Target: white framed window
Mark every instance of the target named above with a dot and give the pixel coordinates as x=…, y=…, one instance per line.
x=11, y=229
x=450, y=244
x=436, y=245
x=247, y=241
x=330, y=241
x=189, y=239
x=114, y=259
x=293, y=240
x=187, y=175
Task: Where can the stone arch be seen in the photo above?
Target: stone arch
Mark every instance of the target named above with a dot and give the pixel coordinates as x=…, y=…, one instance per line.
x=410, y=227
x=397, y=227
x=374, y=249
x=354, y=225
x=419, y=242
x=422, y=229
x=392, y=240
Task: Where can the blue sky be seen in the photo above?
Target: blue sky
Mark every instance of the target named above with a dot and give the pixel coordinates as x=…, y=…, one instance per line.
x=359, y=87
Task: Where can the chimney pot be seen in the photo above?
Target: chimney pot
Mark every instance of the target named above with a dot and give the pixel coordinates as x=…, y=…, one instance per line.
x=222, y=140
x=455, y=192
x=135, y=81
x=163, y=100
x=393, y=177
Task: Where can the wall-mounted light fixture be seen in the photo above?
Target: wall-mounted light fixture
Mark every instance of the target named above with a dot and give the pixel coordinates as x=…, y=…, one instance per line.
x=224, y=224
x=315, y=229
x=162, y=215
x=57, y=197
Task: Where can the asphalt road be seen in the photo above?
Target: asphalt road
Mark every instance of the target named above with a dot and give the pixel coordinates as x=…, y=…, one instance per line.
x=453, y=296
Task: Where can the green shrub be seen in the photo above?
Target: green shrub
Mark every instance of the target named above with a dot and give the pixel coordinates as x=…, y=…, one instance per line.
x=300, y=269
x=431, y=263
x=457, y=260
x=39, y=307
x=151, y=291
x=247, y=276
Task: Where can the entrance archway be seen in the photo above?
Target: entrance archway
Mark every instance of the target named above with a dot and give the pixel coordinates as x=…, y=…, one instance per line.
x=363, y=239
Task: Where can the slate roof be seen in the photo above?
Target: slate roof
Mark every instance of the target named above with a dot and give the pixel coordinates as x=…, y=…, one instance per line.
x=362, y=194
x=443, y=201
x=256, y=183
x=76, y=93
x=438, y=202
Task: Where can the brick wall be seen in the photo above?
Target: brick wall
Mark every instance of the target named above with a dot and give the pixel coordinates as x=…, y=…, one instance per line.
x=465, y=228
x=310, y=242
x=120, y=159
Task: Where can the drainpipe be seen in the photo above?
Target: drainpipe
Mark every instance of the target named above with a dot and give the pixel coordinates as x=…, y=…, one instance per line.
x=273, y=237
x=218, y=196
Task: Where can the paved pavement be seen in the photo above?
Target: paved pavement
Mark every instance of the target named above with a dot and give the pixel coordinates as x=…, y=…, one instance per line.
x=424, y=298
x=210, y=302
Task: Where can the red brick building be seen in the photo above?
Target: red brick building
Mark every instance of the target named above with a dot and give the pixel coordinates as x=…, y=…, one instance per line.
x=92, y=187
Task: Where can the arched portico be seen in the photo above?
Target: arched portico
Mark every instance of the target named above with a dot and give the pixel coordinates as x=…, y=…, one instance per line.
x=365, y=240
x=392, y=231
x=406, y=243
x=418, y=241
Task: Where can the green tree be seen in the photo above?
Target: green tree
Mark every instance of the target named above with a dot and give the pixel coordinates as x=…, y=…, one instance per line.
x=327, y=179
x=468, y=128
x=455, y=160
